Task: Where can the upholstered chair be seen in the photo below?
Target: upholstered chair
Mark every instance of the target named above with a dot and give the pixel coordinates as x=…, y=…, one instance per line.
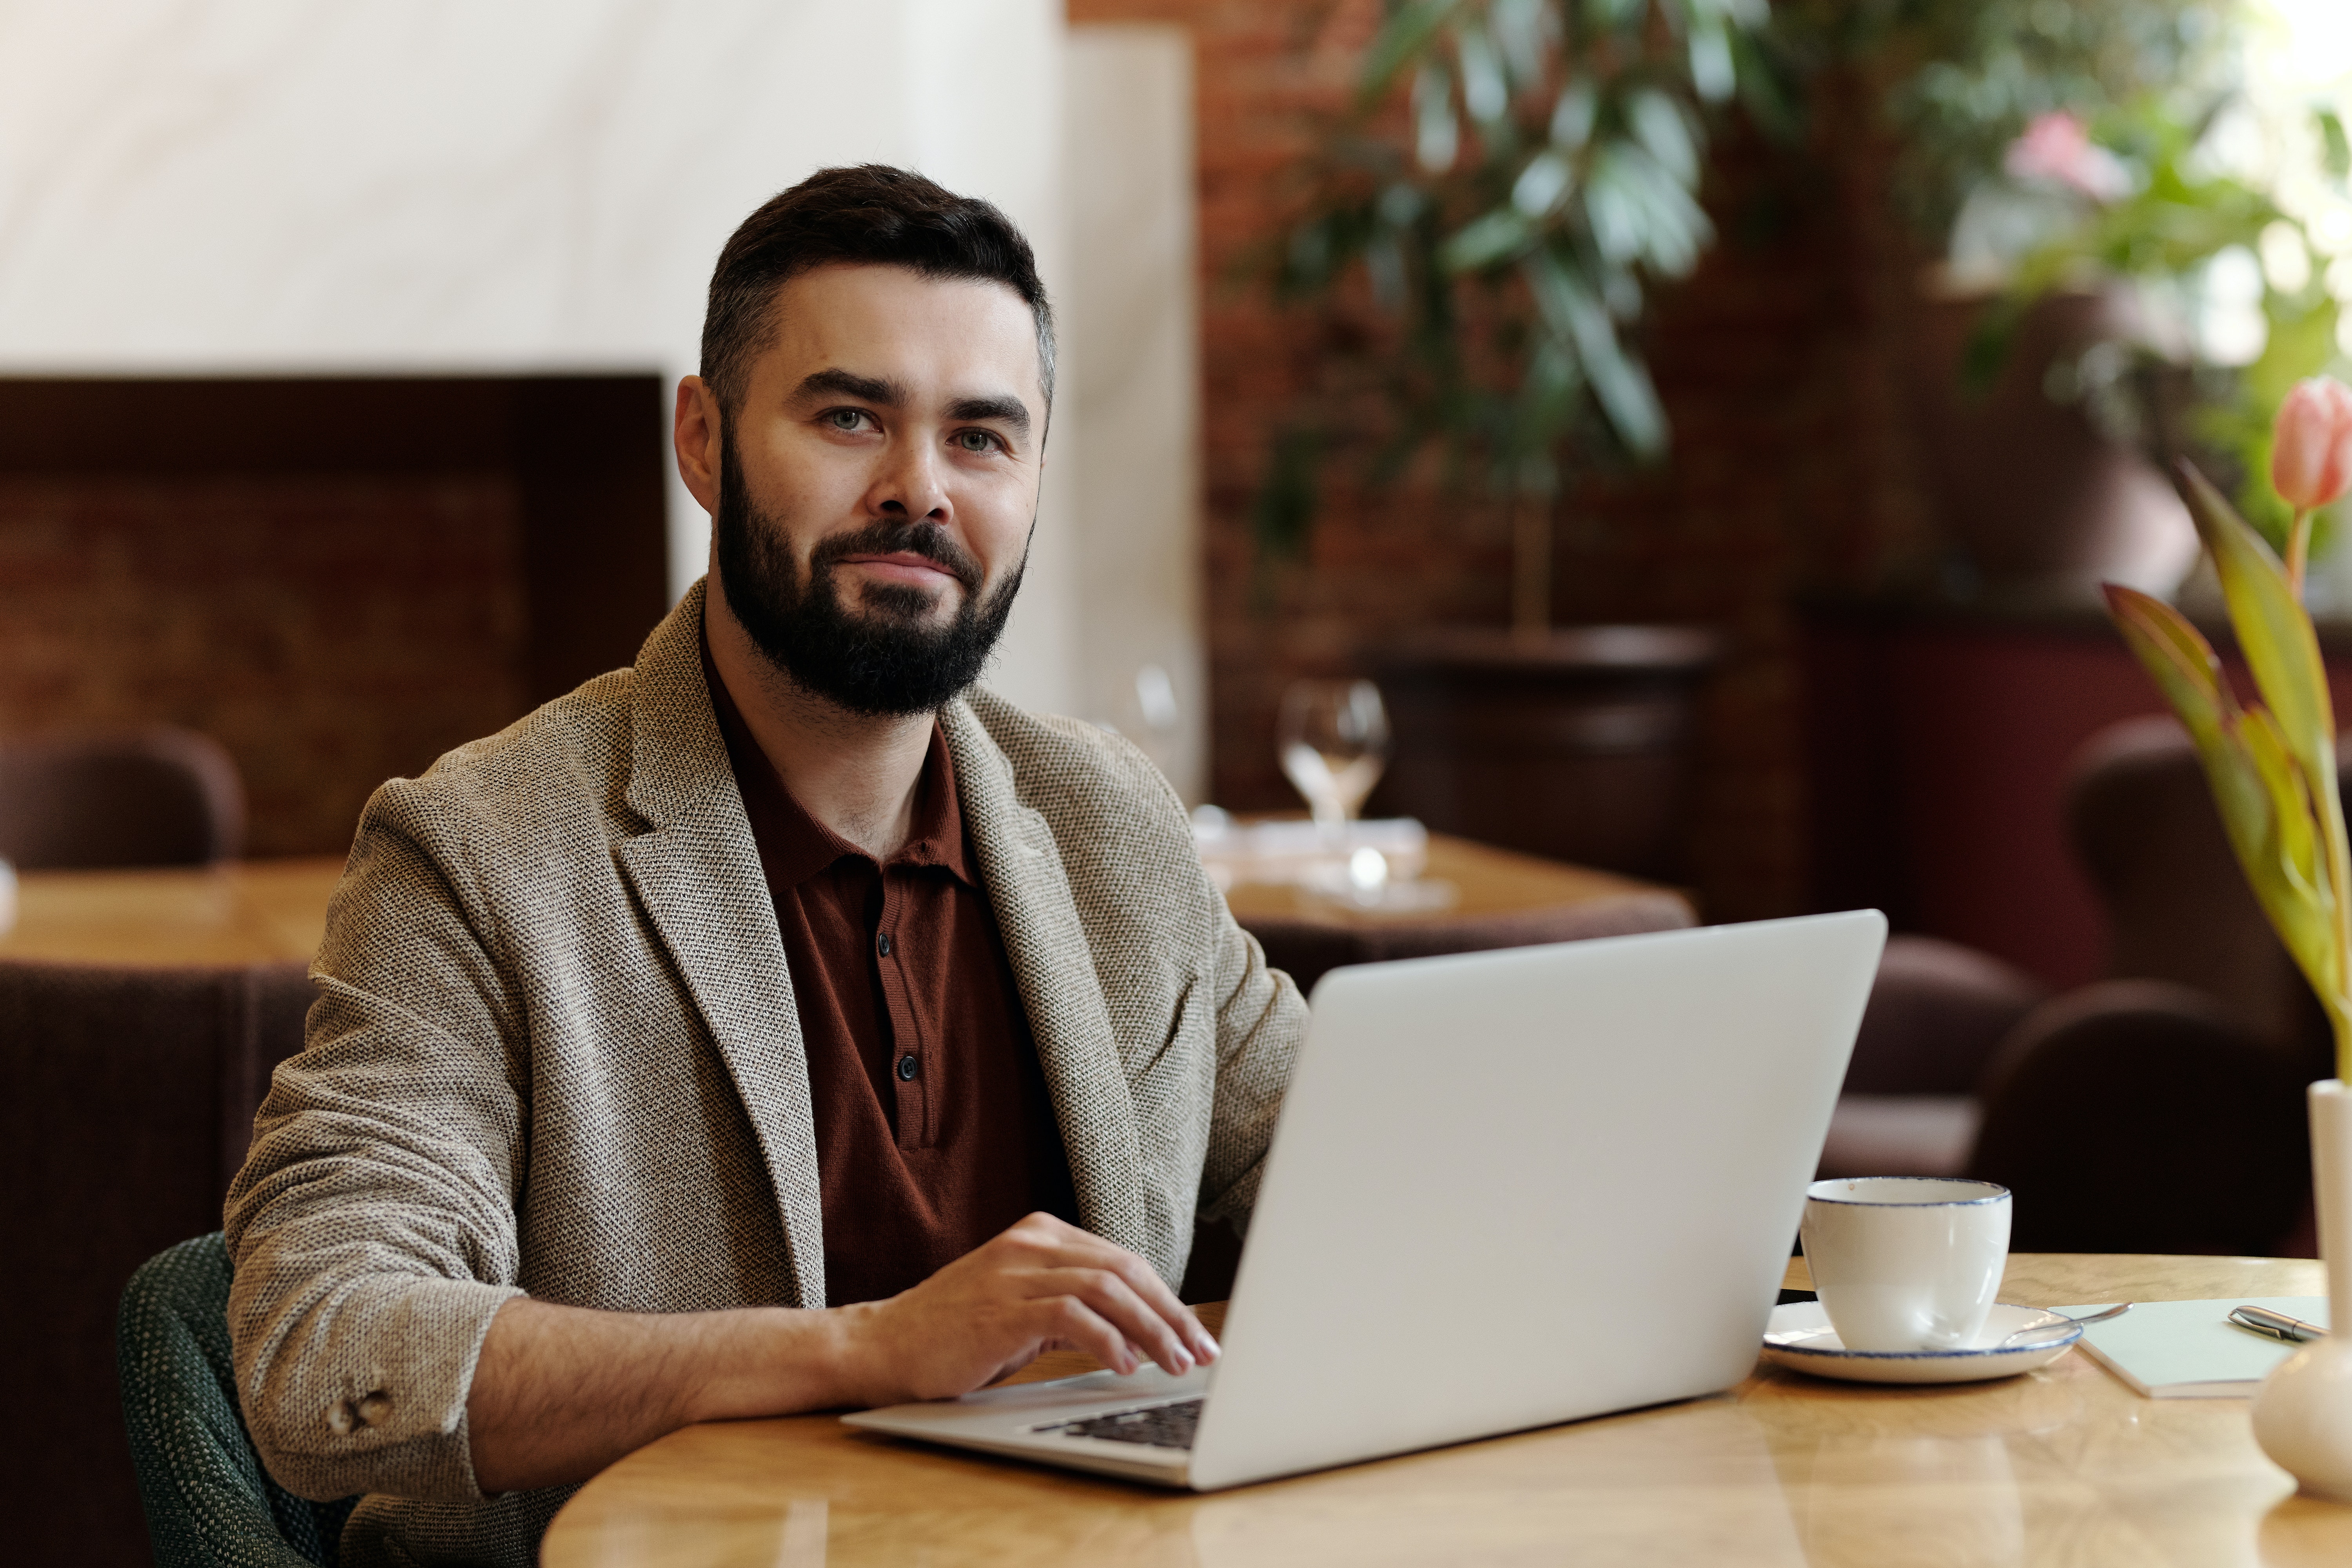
x=2160, y=1111
x=127, y=1098
x=153, y=797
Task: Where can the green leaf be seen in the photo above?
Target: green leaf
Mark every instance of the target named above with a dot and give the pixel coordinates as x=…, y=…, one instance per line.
x=1402, y=38
x=2283, y=862
x=1542, y=184
x=1485, y=240
x=2292, y=843
x=1712, y=71
x=2335, y=148
x=1673, y=227
x=2266, y=806
x=1658, y=125
x=2273, y=768
x=2177, y=658
x=1622, y=387
x=2273, y=629
x=1437, y=134
x=1572, y=116
x=1613, y=208
x=1522, y=29
x=1485, y=93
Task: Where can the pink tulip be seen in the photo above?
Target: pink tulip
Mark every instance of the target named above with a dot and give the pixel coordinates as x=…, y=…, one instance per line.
x=2057, y=146
x=2311, y=446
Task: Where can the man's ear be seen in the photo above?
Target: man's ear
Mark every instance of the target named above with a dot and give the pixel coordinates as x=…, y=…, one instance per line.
x=697, y=435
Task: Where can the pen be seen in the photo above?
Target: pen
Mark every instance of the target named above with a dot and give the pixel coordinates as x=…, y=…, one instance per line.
x=2274, y=1325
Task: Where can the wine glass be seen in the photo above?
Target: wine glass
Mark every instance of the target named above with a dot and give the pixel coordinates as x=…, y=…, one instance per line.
x=1333, y=737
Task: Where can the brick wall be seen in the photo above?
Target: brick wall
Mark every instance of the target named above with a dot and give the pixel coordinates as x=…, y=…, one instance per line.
x=337, y=578
x=1782, y=364
x=331, y=630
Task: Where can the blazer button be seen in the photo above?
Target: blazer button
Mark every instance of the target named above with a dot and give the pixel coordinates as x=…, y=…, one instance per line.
x=906, y=1067
x=882, y=944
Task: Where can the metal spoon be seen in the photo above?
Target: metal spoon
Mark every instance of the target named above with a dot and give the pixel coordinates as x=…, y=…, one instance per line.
x=2061, y=1326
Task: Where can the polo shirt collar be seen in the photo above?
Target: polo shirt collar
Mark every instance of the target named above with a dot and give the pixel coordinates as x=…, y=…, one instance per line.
x=794, y=845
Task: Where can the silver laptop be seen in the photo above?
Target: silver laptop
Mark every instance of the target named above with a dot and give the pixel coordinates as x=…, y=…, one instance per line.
x=1508, y=1189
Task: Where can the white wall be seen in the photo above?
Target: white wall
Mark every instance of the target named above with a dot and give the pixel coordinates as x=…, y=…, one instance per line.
x=1133, y=379
x=984, y=89
x=274, y=186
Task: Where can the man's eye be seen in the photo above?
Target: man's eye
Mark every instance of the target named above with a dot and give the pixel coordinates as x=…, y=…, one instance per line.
x=977, y=440
x=848, y=418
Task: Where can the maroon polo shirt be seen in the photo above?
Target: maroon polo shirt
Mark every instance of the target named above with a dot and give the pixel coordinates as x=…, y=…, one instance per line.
x=934, y=1131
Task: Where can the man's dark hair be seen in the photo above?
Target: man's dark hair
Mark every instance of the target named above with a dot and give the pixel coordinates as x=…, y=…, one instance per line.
x=871, y=214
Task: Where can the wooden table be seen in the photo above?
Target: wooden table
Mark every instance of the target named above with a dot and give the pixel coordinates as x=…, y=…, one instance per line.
x=251, y=911
x=1487, y=881
x=256, y=910
x=1503, y=899
x=2066, y=1465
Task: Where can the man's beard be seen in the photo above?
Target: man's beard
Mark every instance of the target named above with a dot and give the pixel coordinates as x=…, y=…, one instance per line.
x=882, y=661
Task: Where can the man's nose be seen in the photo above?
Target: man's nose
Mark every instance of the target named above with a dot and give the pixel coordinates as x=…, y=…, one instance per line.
x=911, y=485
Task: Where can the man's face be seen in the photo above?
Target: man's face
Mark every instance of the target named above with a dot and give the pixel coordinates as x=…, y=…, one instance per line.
x=879, y=480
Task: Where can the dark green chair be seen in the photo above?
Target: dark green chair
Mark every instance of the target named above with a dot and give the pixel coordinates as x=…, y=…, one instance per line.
x=209, y=1502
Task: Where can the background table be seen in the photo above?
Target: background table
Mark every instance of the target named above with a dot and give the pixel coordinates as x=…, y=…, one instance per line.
x=1488, y=881
x=1504, y=898
x=250, y=911
x=2066, y=1465
x=259, y=910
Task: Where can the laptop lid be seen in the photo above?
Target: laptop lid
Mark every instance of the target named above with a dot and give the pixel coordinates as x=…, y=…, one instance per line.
x=1515, y=1188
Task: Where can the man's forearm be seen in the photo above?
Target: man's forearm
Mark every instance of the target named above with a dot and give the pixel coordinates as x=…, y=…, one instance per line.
x=561, y=1392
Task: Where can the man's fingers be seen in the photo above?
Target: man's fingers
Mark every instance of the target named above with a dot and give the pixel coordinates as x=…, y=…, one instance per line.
x=1053, y=1243
x=1115, y=1301
x=1071, y=1321
x=1146, y=1282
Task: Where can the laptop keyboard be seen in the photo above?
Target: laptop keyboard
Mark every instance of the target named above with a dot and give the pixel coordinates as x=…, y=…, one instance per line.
x=1155, y=1425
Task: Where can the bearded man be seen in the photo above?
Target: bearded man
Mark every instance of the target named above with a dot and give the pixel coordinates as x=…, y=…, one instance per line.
x=781, y=1022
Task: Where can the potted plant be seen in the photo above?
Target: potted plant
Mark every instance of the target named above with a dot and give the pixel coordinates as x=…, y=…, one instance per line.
x=2124, y=278
x=2272, y=766
x=1515, y=179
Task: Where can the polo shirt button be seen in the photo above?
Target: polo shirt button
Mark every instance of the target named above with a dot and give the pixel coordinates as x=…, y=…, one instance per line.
x=882, y=944
x=906, y=1069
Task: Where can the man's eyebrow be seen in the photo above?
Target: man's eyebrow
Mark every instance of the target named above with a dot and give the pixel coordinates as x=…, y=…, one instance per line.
x=1009, y=410
x=849, y=383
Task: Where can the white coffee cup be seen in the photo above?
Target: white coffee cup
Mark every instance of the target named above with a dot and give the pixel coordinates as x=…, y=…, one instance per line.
x=1905, y=1263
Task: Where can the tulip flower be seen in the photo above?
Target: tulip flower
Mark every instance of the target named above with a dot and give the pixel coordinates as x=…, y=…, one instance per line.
x=2271, y=763
x=2057, y=147
x=2310, y=457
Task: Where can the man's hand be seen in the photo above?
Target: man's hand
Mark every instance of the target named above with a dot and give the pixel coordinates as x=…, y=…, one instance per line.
x=1043, y=1285
x=561, y=1392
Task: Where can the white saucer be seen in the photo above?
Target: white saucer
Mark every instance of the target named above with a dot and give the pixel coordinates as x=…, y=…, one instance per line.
x=1798, y=1336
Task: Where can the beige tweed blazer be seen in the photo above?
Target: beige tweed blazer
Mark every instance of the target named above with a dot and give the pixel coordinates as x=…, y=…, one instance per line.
x=555, y=1051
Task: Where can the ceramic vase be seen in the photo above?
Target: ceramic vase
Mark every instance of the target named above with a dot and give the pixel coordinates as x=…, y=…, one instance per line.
x=2303, y=1413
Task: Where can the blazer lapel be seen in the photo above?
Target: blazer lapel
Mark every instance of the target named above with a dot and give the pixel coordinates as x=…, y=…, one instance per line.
x=697, y=873
x=1053, y=964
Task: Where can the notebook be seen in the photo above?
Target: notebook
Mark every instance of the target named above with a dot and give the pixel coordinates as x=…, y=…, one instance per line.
x=2188, y=1350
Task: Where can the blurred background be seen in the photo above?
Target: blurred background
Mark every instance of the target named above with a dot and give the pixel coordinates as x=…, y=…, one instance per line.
x=335, y=345
x=339, y=344
x=1615, y=464
x=1704, y=423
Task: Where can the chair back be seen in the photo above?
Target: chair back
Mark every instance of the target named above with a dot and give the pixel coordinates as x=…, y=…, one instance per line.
x=2142, y=1116
x=2143, y=826
x=126, y=1104
x=154, y=797
x=209, y=1503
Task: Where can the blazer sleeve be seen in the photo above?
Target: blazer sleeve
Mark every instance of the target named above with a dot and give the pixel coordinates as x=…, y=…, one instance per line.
x=1260, y=1018
x=372, y=1228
